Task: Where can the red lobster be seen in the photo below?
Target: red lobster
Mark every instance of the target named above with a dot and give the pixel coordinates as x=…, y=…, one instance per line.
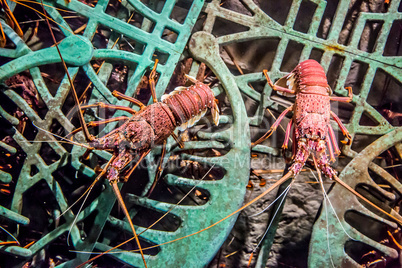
x=151, y=126
x=311, y=115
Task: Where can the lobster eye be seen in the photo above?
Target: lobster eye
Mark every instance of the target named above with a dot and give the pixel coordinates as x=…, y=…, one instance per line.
x=329, y=90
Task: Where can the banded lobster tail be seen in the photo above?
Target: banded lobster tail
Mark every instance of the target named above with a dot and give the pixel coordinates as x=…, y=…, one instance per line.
x=312, y=132
x=189, y=104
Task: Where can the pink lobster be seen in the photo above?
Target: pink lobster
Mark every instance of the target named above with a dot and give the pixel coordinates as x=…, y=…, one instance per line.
x=311, y=116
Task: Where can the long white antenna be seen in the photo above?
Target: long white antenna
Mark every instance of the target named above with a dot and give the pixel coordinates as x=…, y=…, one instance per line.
x=326, y=197
x=64, y=139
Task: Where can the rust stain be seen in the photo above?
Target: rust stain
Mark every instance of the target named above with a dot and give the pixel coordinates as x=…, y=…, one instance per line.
x=335, y=47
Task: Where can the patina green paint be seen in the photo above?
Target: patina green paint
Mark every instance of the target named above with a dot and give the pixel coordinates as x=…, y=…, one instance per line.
x=78, y=52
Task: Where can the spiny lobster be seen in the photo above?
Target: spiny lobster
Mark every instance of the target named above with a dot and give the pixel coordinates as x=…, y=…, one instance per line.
x=313, y=133
x=145, y=129
x=311, y=115
x=153, y=124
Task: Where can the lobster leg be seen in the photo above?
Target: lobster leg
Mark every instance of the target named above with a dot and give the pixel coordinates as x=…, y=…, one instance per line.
x=276, y=87
x=128, y=174
x=159, y=170
x=121, y=96
x=110, y=106
x=333, y=140
x=287, y=135
x=343, y=129
x=97, y=123
x=152, y=82
x=344, y=99
x=273, y=127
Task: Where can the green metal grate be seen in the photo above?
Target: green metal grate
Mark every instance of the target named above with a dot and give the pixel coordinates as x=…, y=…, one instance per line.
x=290, y=38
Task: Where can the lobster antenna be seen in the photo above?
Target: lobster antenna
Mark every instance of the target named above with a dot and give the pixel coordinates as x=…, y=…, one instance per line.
x=125, y=211
x=276, y=184
x=284, y=194
x=327, y=228
x=347, y=187
x=167, y=212
x=40, y=13
x=273, y=202
x=78, y=213
x=86, y=194
x=181, y=200
x=88, y=136
x=326, y=197
x=16, y=240
x=60, y=137
x=320, y=181
x=76, y=201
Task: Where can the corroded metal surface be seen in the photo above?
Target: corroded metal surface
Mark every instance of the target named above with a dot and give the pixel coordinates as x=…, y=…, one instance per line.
x=327, y=248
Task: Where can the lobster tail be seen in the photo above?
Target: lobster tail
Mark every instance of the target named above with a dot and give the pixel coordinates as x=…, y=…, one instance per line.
x=311, y=73
x=189, y=104
x=307, y=76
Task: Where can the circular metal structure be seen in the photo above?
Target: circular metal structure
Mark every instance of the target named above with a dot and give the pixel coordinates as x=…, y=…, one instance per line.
x=363, y=235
